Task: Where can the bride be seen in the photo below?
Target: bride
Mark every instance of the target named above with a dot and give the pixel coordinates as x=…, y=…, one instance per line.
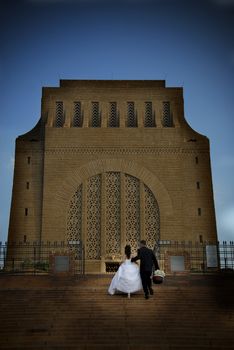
x=127, y=279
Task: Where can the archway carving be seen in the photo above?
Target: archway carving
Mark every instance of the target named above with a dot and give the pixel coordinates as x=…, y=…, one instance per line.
x=92, y=174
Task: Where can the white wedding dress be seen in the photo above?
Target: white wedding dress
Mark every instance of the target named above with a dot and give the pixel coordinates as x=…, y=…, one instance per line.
x=127, y=279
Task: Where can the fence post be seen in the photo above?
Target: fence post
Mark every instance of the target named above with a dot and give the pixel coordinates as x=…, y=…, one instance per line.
x=83, y=260
x=4, y=256
x=34, y=260
x=218, y=254
x=232, y=254
x=225, y=262
x=204, y=257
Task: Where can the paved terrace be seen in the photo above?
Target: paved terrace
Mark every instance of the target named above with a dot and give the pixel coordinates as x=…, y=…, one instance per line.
x=186, y=312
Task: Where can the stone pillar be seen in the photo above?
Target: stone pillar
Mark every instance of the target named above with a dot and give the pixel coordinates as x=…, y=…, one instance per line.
x=122, y=107
x=177, y=112
x=51, y=114
x=142, y=211
x=122, y=212
x=139, y=110
x=103, y=222
x=86, y=110
x=157, y=108
x=84, y=217
x=104, y=113
x=67, y=110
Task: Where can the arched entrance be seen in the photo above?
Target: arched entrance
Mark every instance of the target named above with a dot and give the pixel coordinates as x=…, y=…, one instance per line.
x=110, y=210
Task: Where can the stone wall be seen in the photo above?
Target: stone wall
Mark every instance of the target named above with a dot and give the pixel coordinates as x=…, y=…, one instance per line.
x=56, y=157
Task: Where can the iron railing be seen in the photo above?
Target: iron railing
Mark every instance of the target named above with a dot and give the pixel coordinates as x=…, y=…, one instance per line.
x=173, y=256
x=177, y=256
x=226, y=255
x=42, y=258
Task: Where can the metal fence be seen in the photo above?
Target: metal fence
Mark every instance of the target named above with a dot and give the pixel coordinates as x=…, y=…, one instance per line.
x=42, y=258
x=61, y=257
x=176, y=256
x=226, y=255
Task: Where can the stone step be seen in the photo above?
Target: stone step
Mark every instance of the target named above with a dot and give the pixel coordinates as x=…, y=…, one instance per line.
x=79, y=314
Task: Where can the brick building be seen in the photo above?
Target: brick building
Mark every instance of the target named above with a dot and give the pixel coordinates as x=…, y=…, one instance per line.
x=108, y=163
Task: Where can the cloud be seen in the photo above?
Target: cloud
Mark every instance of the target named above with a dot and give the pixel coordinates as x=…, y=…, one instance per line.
x=227, y=221
x=11, y=163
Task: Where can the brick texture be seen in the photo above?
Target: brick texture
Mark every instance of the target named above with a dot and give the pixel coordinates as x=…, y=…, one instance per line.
x=56, y=160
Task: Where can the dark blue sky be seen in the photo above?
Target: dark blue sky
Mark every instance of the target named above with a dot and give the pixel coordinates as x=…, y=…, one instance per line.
x=188, y=43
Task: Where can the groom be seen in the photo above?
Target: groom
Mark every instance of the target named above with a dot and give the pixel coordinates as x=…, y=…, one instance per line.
x=147, y=259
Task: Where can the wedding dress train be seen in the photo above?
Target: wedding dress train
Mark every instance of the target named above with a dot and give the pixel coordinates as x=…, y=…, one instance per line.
x=127, y=279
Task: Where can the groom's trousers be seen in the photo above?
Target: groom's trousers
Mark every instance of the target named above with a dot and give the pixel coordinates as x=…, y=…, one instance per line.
x=146, y=281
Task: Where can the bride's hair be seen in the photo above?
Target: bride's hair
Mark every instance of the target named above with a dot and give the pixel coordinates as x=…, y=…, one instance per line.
x=127, y=251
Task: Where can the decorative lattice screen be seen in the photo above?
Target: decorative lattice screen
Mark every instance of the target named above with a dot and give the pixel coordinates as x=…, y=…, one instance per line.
x=106, y=206
x=59, y=114
x=113, y=121
x=93, y=240
x=132, y=210
x=167, y=116
x=74, y=222
x=152, y=219
x=131, y=115
x=77, y=117
x=149, y=116
x=113, y=219
x=95, y=117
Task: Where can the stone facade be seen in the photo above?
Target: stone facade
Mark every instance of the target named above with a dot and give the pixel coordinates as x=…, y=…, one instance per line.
x=108, y=163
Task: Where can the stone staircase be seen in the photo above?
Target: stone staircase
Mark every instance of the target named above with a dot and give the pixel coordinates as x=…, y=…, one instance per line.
x=186, y=312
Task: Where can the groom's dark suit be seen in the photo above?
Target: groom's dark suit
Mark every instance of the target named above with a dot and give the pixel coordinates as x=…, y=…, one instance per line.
x=148, y=260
